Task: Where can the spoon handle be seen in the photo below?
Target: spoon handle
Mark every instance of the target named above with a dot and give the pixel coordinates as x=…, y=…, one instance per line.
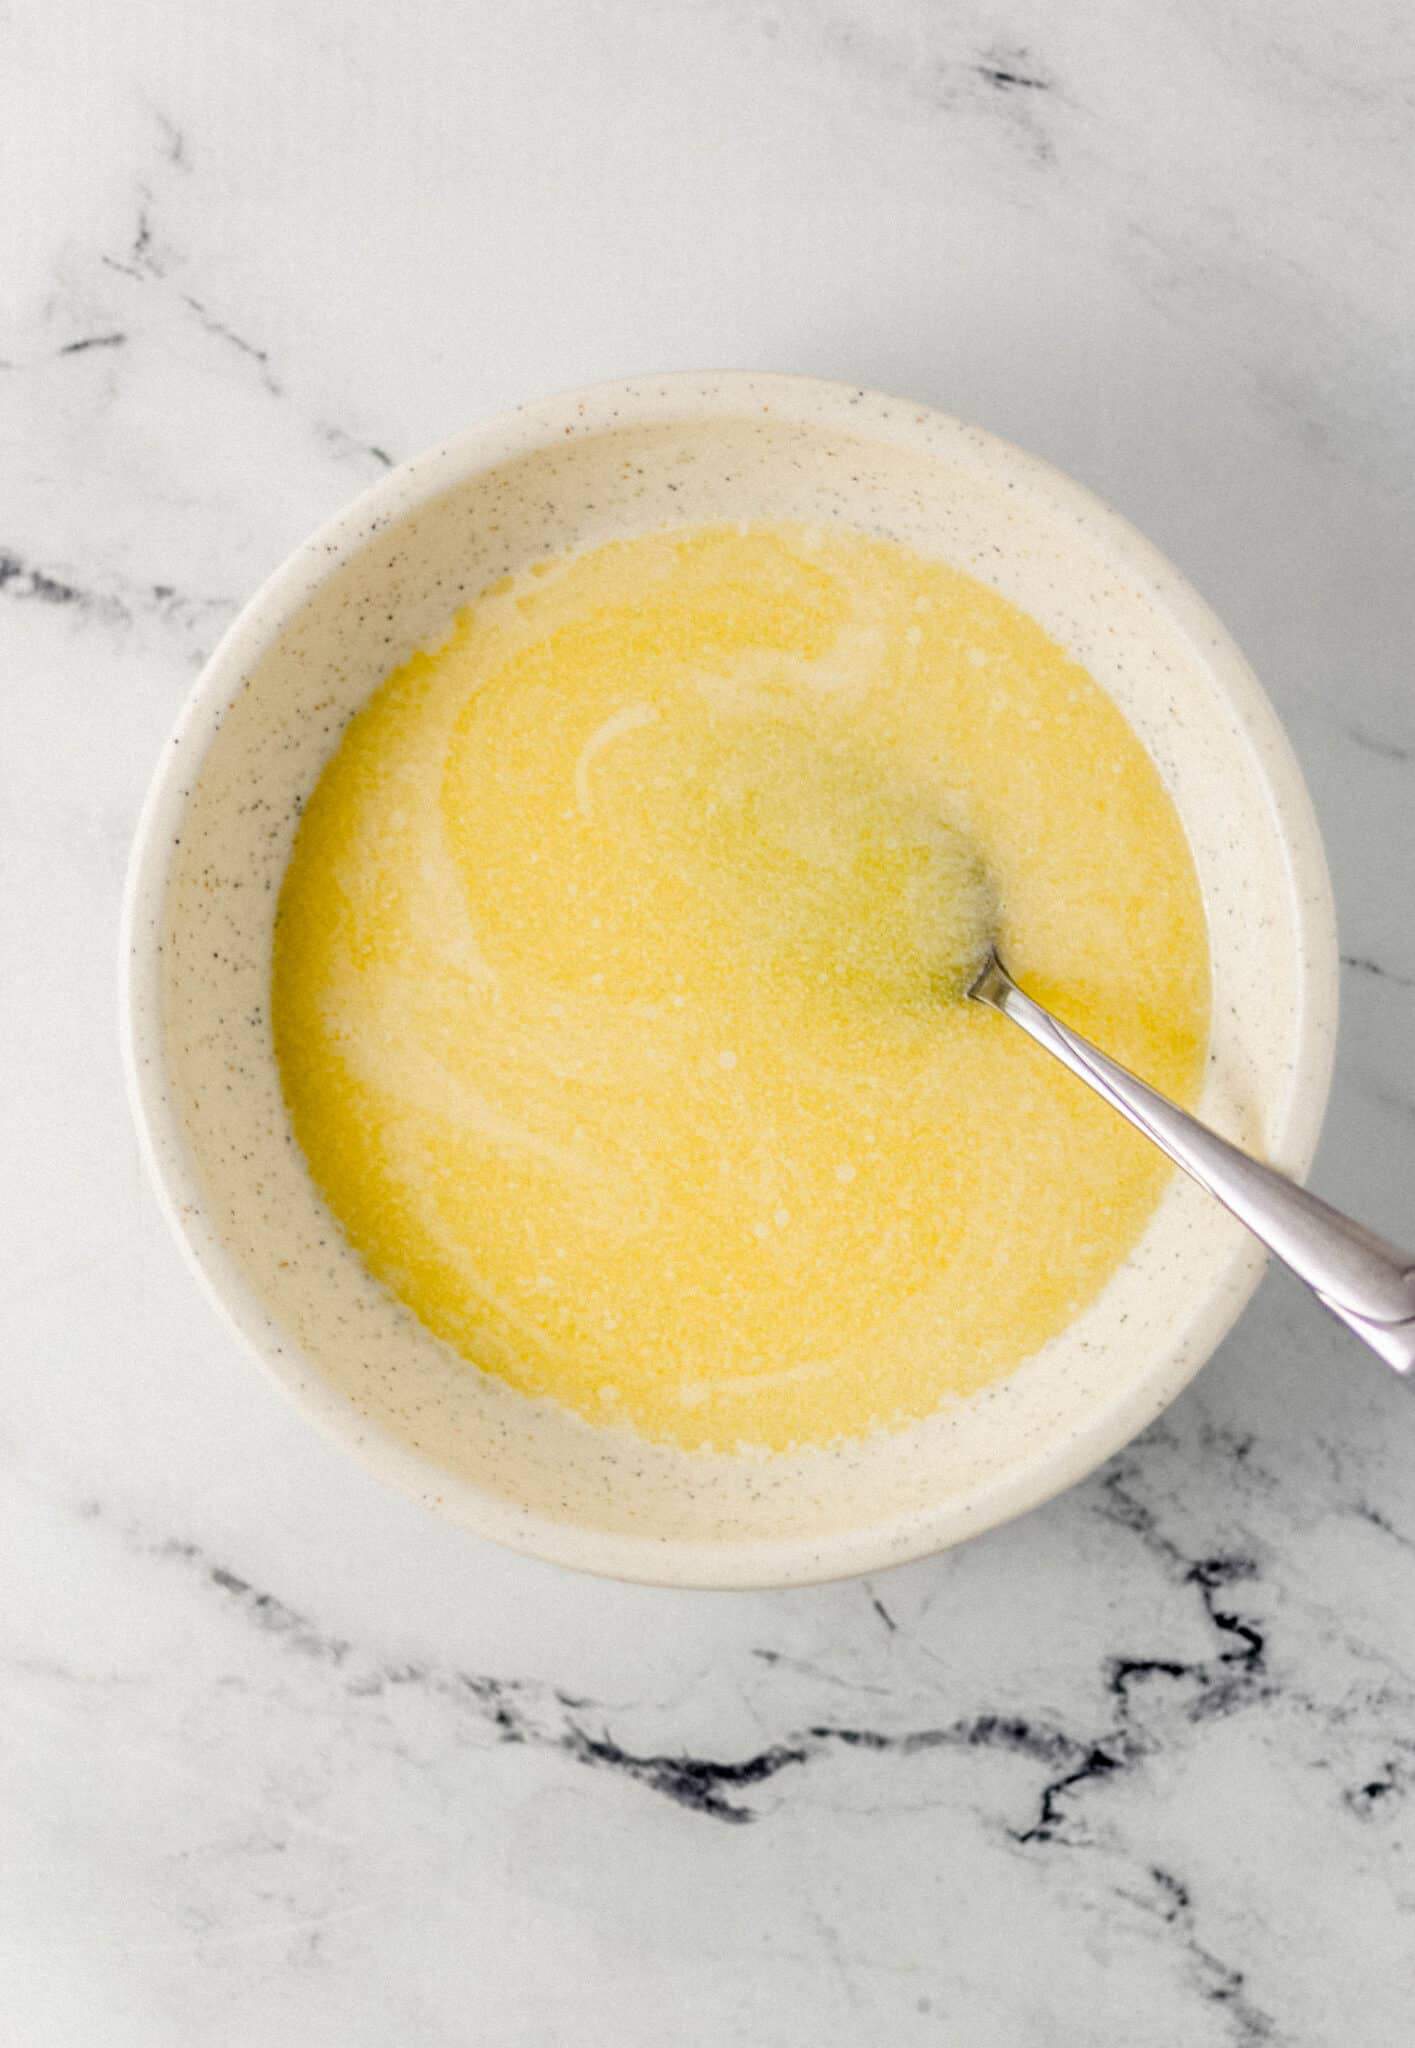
x=1363, y=1279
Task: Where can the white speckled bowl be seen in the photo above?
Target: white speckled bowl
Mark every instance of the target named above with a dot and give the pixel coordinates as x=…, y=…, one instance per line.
x=384, y=577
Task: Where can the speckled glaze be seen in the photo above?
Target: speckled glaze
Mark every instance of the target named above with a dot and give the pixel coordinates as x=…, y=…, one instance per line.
x=384, y=577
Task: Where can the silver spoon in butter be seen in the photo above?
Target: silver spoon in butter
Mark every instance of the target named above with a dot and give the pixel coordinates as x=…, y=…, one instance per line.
x=1360, y=1277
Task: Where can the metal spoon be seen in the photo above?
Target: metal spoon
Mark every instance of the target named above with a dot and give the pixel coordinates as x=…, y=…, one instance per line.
x=1357, y=1275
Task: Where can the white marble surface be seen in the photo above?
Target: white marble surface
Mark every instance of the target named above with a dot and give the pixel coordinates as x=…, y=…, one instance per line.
x=283, y=1760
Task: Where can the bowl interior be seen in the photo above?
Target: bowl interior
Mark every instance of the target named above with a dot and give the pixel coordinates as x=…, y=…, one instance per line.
x=387, y=578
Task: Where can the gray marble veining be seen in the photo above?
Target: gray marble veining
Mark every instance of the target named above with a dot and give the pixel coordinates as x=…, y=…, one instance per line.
x=284, y=1760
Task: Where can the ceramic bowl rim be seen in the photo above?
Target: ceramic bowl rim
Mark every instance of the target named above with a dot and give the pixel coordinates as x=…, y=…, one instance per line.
x=688, y=396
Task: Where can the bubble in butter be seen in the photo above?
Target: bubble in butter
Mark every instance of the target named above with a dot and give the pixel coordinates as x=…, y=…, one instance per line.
x=616, y=972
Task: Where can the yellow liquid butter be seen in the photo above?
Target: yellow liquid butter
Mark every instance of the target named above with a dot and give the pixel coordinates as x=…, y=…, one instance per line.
x=615, y=984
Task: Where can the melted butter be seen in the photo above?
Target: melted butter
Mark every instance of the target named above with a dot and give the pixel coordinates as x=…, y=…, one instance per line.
x=612, y=984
